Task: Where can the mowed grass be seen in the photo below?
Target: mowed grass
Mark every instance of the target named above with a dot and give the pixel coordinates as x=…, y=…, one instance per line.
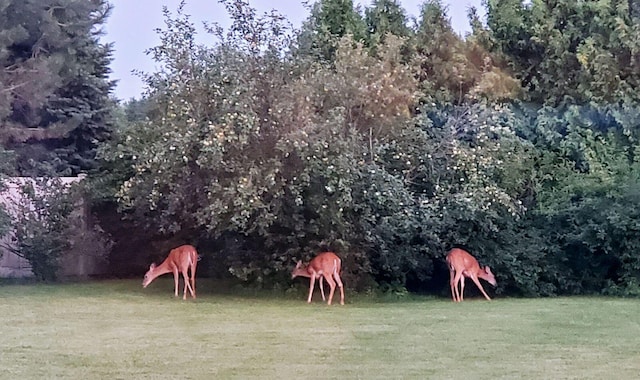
x=117, y=330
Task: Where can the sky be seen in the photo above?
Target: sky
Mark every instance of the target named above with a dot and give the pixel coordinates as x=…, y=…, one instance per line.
x=132, y=24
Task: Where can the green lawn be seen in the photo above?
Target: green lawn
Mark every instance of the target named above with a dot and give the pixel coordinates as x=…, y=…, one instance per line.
x=117, y=330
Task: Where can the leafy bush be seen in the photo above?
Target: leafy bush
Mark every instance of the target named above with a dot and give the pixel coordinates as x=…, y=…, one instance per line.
x=389, y=154
x=41, y=225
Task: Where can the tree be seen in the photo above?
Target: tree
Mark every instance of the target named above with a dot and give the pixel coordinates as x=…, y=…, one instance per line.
x=580, y=51
x=235, y=149
x=279, y=157
x=328, y=22
x=213, y=127
x=385, y=17
x=54, y=106
x=591, y=177
x=390, y=156
x=453, y=70
x=41, y=225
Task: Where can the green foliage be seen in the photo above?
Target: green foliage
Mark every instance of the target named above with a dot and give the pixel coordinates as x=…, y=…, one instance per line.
x=41, y=225
x=586, y=197
x=385, y=17
x=136, y=110
x=329, y=21
x=453, y=70
x=374, y=93
x=394, y=146
x=583, y=51
x=54, y=102
x=231, y=152
x=206, y=157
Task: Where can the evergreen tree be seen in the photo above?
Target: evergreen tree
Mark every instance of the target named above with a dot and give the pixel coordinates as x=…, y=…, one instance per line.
x=575, y=51
x=385, y=16
x=453, y=70
x=54, y=106
x=329, y=21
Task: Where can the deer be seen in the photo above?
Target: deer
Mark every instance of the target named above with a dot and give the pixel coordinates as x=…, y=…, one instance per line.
x=183, y=259
x=462, y=264
x=325, y=266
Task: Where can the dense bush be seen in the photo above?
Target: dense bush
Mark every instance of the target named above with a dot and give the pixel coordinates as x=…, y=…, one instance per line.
x=41, y=225
x=519, y=143
x=332, y=154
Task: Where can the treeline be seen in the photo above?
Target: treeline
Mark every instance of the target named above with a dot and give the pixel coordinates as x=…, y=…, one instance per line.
x=391, y=140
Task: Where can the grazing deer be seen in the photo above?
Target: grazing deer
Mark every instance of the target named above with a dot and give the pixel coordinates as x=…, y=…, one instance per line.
x=324, y=266
x=462, y=264
x=180, y=260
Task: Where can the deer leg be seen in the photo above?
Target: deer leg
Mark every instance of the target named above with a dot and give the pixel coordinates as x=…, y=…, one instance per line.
x=458, y=277
x=185, y=278
x=475, y=279
x=312, y=281
x=332, y=285
x=339, y=282
x=187, y=284
x=462, y=288
x=176, y=277
x=193, y=279
x=322, y=288
x=453, y=285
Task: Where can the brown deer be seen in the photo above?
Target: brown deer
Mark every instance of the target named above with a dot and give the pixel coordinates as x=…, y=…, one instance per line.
x=325, y=266
x=183, y=259
x=462, y=264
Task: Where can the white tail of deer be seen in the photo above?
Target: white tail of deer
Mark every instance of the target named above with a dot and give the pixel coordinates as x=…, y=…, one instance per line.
x=181, y=260
x=327, y=266
x=462, y=264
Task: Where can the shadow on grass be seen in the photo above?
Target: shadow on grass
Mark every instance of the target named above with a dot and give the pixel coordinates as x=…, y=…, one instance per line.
x=206, y=288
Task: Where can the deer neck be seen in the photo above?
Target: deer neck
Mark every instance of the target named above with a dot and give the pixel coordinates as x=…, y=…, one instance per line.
x=163, y=268
x=304, y=272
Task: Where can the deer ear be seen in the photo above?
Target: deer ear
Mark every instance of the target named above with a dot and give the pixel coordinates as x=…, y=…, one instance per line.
x=487, y=270
x=299, y=264
x=153, y=265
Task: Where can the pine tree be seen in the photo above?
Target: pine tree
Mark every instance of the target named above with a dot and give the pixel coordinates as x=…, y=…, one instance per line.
x=386, y=16
x=54, y=106
x=329, y=21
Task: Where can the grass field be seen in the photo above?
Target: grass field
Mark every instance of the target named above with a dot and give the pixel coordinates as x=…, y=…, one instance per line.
x=117, y=330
